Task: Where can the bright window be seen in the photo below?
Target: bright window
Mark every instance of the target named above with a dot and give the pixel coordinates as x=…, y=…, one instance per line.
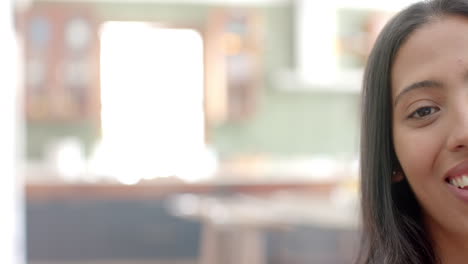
x=152, y=103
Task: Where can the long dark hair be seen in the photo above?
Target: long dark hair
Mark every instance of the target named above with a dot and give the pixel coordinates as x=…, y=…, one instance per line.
x=393, y=231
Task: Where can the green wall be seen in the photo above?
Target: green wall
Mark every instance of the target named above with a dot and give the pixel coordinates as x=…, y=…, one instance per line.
x=296, y=124
x=39, y=135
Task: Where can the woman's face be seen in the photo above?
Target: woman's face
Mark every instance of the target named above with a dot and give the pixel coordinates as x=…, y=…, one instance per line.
x=430, y=120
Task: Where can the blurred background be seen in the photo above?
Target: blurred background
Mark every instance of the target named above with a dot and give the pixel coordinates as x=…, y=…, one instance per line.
x=180, y=132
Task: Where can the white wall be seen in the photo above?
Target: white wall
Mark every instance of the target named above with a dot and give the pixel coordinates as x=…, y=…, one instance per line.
x=11, y=223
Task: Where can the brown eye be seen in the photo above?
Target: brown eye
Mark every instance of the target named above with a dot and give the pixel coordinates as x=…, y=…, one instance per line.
x=424, y=111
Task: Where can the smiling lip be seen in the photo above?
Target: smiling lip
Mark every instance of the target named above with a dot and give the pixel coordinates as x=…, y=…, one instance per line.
x=457, y=171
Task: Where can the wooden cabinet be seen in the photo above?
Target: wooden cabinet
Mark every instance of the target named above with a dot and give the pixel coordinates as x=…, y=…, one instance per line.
x=61, y=63
x=233, y=72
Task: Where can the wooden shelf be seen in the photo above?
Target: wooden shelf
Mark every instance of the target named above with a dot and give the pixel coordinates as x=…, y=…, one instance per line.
x=145, y=191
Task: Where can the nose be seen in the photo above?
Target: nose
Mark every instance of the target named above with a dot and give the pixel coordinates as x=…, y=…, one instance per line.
x=458, y=135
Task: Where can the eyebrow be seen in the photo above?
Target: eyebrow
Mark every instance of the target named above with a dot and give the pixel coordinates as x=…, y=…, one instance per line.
x=418, y=85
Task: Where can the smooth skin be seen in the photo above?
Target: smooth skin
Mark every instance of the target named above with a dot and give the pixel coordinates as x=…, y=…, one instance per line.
x=430, y=126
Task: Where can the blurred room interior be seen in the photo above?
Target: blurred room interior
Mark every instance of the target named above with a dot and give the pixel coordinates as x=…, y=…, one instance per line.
x=191, y=131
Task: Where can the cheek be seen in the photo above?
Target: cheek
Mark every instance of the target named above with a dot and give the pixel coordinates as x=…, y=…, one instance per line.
x=417, y=151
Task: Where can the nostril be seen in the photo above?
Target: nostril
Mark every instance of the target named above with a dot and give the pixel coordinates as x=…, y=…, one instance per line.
x=460, y=146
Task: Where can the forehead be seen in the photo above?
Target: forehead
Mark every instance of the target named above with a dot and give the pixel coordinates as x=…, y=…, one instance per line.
x=429, y=51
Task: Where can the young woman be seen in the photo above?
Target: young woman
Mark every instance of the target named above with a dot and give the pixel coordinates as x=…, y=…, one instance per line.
x=414, y=138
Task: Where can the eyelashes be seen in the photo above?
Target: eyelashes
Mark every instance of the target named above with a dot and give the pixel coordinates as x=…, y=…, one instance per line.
x=424, y=112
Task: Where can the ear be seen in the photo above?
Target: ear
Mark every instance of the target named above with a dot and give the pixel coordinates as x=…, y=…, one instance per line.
x=397, y=176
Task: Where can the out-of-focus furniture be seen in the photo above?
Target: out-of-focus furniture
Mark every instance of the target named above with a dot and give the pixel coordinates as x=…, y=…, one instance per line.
x=234, y=227
x=231, y=245
x=95, y=223
x=61, y=43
